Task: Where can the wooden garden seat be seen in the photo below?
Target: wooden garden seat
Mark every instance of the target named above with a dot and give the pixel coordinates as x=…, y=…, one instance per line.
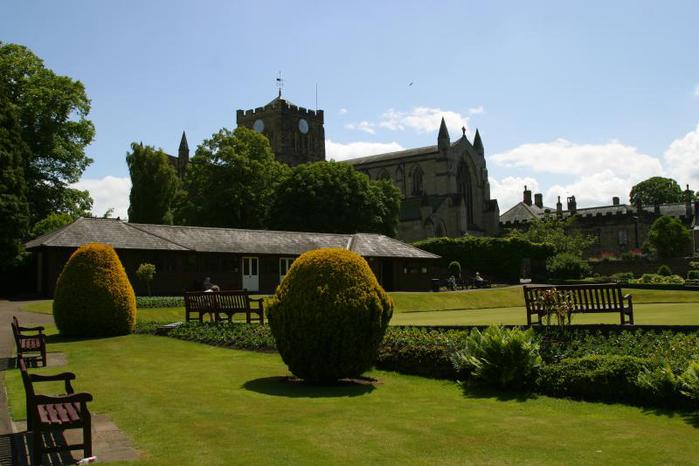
x=35, y=343
x=55, y=413
x=222, y=305
x=584, y=299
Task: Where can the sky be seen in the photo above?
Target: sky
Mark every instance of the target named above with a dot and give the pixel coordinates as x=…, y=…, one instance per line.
x=581, y=98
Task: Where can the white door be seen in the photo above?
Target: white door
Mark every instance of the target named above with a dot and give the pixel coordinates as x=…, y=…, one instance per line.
x=251, y=274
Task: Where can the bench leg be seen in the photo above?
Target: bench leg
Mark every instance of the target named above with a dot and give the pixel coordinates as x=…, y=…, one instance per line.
x=36, y=447
x=87, y=435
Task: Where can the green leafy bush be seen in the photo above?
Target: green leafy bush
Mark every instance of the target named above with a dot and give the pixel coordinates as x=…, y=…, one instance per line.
x=595, y=378
x=329, y=315
x=159, y=301
x=622, y=277
x=689, y=381
x=694, y=265
x=664, y=271
x=496, y=258
x=655, y=279
x=660, y=385
x=693, y=275
x=567, y=266
x=499, y=357
x=145, y=274
x=93, y=295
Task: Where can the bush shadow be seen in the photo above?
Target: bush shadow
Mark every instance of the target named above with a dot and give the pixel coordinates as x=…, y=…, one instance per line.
x=295, y=388
x=476, y=393
x=689, y=416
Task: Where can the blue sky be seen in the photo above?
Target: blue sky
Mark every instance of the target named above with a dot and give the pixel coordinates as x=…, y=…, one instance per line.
x=581, y=98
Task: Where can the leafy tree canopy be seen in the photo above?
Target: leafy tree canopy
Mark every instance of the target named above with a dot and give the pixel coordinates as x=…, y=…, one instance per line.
x=669, y=237
x=14, y=209
x=335, y=198
x=154, y=183
x=230, y=181
x=52, y=222
x=656, y=190
x=558, y=233
x=52, y=111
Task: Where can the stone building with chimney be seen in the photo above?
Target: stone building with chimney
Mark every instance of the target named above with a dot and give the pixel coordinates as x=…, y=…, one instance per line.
x=617, y=228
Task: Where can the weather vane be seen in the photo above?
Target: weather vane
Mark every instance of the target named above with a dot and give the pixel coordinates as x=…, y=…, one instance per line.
x=280, y=83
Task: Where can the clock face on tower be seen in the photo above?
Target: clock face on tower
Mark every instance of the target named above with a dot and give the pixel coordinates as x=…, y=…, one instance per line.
x=303, y=126
x=258, y=126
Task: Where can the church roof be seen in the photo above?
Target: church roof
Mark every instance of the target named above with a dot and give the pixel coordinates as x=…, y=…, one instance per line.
x=123, y=235
x=281, y=100
x=427, y=150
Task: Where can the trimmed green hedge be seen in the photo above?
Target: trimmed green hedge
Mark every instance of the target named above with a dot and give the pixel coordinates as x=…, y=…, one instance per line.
x=143, y=302
x=497, y=258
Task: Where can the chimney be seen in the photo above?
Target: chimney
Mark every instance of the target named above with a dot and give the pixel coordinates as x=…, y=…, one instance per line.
x=572, y=206
x=527, y=199
x=539, y=200
x=559, y=207
x=615, y=200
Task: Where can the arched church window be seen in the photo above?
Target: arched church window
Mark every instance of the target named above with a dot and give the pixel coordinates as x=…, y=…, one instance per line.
x=383, y=175
x=440, y=229
x=400, y=179
x=417, y=188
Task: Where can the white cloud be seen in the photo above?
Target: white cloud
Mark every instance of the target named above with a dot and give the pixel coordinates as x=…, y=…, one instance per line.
x=339, y=151
x=107, y=193
x=508, y=191
x=696, y=91
x=682, y=159
x=343, y=111
x=476, y=110
x=596, y=189
x=365, y=126
x=567, y=158
x=423, y=120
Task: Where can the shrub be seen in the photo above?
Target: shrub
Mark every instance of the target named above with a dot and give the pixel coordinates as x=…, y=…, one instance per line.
x=594, y=378
x=694, y=265
x=455, y=269
x=693, y=275
x=329, y=315
x=659, y=384
x=655, y=279
x=93, y=295
x=145, y=274
x=622, y=277
x=689, y=381
x=669, y=237
x=159, y=301
x=496, y=258
x=664, y=271
x=499, y=357
x=567, y=266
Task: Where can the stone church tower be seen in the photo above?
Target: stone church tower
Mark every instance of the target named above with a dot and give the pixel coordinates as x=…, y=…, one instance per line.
x=295, y=133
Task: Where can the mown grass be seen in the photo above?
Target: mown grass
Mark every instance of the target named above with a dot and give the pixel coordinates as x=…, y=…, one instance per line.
x=483, y=307
x=188, y=403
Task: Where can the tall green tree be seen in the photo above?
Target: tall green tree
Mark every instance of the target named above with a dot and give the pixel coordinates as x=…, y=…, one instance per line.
x=230, y=181
x=669, y=237
x=334, y=198
x=52, y=112
x=154, y=183
x=559, y=233
x=656, y=190
x=14, y=209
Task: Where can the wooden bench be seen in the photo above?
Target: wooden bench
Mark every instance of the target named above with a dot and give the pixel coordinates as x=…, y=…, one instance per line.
x=222, y=305
x=584, y=299
x=29, y=344
x=55, y=413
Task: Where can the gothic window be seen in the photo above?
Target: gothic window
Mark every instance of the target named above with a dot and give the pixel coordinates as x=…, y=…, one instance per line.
x=383, y=175
x=623, y=237
x=400, y=179
x=463, y=188
x=440, y=230
x=417, y=188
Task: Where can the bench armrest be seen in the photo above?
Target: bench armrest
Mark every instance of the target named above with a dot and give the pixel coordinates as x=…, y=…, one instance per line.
x=40, y=336
x=52, y=378
x=628, y=298
x=31, y=329
x=72, y=398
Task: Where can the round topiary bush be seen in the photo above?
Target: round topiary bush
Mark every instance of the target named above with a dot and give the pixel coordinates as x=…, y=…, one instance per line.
x=93, y=295
x=329, y=315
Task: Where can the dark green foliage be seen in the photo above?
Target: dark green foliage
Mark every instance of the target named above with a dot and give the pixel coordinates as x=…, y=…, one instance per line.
x=594, y=378
x=562, y=235
x=499, y=358
x=664, y=271
x=230, y=181
x=659, y=385
x=14, y=209
x=154, y=183
x=50, y=223
x=689, y=382
x=329, y=315
x=335, y=198
x=656, y=190
x=420, y=351
x=669, y=237
x=622, y=277
x=693, y=275
x=455, y=269
x=145, y=274
x=53, y=121
x=232, y=335
x=159, y=301
x=566, y=265
x=496, y=258
x=655, y=279
x=93, y=296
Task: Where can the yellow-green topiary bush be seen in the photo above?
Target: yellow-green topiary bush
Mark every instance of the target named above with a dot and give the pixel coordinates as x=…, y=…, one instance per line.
x=329, y=315
x=93, y=294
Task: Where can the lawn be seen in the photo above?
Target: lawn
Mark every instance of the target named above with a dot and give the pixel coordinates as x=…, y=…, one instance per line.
x=490, y=306
x=188, y=403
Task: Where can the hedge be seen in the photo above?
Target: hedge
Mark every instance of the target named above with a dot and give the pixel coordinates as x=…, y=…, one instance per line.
x=497, y=258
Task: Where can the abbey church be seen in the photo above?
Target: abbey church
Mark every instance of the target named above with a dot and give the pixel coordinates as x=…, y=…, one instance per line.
x=445, y=188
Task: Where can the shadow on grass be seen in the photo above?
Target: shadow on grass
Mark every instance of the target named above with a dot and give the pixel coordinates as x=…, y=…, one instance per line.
x=689, y=416
x=294, y=388
x=500, y=395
